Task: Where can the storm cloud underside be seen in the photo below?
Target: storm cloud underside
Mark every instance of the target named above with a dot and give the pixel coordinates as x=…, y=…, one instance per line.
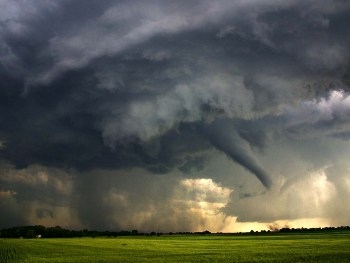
x=184, y=115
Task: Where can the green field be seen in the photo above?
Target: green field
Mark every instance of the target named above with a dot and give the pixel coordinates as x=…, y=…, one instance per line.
x=294, y=248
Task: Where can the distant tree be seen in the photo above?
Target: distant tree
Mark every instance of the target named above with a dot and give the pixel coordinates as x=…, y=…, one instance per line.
x=30, y=233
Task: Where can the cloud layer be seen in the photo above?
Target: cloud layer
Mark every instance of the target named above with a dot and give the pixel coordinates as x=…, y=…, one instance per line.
x=120, y=108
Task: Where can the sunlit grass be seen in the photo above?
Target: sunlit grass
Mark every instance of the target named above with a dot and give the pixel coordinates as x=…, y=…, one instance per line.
x=210, y=248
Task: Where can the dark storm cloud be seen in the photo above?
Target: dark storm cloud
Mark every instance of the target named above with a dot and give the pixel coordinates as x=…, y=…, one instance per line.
x=118, y=84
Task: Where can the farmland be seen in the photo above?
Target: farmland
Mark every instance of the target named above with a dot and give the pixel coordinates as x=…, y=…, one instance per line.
x=317, y=247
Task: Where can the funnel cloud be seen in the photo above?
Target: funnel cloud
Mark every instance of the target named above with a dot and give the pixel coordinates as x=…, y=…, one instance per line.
x=224, y=137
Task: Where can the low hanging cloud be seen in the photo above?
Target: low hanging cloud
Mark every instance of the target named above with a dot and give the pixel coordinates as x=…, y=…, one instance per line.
x=225, y=138
x=122, y=106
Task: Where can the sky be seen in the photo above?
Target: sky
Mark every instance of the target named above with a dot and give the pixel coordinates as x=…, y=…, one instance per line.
x=225, y=116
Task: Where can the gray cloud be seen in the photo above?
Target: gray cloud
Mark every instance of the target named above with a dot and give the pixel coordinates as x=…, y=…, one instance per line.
x=92, y=92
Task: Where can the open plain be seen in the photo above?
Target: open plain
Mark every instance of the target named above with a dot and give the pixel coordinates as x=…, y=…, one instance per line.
x=316, y=247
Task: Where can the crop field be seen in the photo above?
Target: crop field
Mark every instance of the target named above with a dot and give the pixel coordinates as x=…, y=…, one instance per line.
x=208, y=248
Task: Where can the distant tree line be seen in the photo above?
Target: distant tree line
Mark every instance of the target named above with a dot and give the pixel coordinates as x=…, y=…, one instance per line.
x=324, y=229
x=298, y=230
x=39, y=231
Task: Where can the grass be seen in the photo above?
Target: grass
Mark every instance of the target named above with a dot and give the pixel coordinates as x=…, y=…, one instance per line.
x=210, y=248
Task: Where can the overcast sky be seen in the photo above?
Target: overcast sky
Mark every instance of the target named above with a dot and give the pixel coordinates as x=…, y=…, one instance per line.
x=175, y=115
